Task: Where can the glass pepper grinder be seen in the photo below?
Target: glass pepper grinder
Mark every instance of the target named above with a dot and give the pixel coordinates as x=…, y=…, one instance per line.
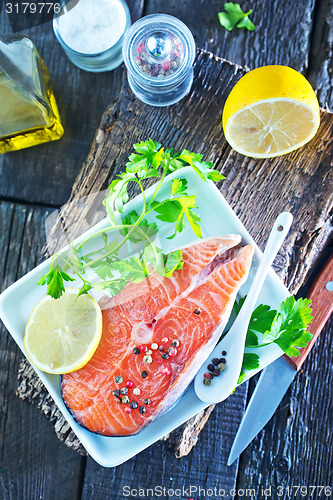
x=158, y=52
x=28, y=110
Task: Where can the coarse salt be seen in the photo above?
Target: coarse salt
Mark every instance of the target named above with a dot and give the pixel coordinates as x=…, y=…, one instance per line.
x=93, y=27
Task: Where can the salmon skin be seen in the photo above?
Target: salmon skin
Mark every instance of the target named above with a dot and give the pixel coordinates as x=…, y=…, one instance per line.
x=156, y=335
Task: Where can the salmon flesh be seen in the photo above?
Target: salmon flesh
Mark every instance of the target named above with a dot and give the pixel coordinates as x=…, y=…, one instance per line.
x=156, y=335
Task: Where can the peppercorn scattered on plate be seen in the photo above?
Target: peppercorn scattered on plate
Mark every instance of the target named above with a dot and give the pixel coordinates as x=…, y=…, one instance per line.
x=17, y=302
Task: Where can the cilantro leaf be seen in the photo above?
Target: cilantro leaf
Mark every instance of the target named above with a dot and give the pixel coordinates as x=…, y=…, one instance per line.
x=234, y=16
x=54, y=280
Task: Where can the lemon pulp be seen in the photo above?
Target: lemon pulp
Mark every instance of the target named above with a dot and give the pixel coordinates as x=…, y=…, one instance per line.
x=271, y=111
x=62, y=334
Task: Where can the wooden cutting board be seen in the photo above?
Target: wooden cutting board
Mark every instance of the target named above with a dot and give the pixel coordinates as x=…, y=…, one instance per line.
x=257, y=189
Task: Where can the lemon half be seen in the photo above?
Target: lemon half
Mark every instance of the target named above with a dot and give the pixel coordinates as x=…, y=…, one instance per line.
x=271, y=111
x=62, y=334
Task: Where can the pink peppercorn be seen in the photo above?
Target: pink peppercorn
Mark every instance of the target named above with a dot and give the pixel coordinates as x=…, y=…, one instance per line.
x=141, y=47
x=166, y=65
x=166, y=371
x=129, y=383
x=165, y=340
x=172, y=351
x=128, y=410
x=143, y=348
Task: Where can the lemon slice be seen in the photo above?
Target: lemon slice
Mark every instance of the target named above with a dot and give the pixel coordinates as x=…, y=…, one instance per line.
x=62, y=334
x=271, y=111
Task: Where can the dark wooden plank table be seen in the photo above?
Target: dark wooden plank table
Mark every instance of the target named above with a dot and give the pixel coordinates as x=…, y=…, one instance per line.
x=296, y=446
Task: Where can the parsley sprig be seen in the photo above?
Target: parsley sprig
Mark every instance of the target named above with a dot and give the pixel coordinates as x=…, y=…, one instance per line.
x=286, y=328
x=150, y=160
x=234, y=16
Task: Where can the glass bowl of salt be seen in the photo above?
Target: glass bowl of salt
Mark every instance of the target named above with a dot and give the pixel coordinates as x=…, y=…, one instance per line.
x=92, y=33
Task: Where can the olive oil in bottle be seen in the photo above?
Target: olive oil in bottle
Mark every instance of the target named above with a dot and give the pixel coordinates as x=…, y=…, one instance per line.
x=28, y=110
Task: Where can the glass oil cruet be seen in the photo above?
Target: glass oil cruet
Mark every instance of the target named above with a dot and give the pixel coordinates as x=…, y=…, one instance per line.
x=28, y=110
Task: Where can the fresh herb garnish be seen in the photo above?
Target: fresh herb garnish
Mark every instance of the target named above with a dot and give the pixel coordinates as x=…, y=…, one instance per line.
x=286, y=328
x=178, y=209
x=234, y=16
x=250, y=362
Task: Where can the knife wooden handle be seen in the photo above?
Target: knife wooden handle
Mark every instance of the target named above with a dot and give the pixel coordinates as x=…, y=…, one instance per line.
x=322, y=307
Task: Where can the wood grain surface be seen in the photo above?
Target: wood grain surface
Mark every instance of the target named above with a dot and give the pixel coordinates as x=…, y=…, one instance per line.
x=296, y=446
x=322, y=303
x=126, y=122
x=26, y=456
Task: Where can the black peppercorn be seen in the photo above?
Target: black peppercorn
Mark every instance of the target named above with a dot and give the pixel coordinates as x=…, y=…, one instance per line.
x=215, y=361
x=165, y=355
x=144, y=374
x=216, y=372
x=224, y=353
x=197, y=311
x=210, y=367
x=222, y=360
x=124, y=390
x=116, y=392
x=147, y=401
x=142, y=410
x=133, y=405
x=136, y=350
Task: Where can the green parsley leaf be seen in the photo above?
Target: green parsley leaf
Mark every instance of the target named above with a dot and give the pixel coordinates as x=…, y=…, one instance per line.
x=84, y=288
x=149, y=229
x=145, y=163
x=234, y=16
x=289, y=327
x=261, y=321
x=176, y=210
x=173, y=262
x=132, y=269
x=118, y=195
x=149, y=159
x=250, y=362
x=179, y=186
x=54, y=280
x=103, y=269
x=110, y=288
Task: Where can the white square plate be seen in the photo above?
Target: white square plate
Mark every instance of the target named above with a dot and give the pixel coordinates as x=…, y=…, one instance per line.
x=217, y=218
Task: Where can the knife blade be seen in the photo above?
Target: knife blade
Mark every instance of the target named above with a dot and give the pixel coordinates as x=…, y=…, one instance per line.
x=267, y=394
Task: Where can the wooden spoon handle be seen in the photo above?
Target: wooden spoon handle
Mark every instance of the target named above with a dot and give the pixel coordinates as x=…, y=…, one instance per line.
x=321, y=295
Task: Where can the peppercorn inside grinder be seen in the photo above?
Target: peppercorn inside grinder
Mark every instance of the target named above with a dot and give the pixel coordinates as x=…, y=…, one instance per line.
x=158, y=52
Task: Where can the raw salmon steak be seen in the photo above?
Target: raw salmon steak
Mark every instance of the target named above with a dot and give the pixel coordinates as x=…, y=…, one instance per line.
x=156, y=335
